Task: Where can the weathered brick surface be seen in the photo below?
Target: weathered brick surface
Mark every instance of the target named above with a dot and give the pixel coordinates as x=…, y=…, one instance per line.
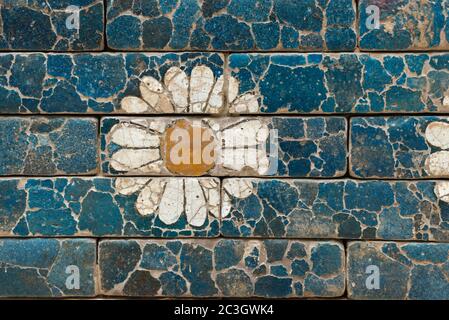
x=48, y=146
x=415, y=271
x=54, y=25
x=404, y=25
x=231, y=25
x=224, y=268
x=42, y=267
x=345, y=209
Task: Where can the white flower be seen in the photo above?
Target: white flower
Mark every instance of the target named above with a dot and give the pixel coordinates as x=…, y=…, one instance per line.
x=169, y=198
x=179, y=94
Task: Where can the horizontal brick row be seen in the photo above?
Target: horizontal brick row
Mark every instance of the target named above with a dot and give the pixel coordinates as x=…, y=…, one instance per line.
x=222, y=268
x=232, y=25
x=199, y=83
x=407, y=147
x=239, y=208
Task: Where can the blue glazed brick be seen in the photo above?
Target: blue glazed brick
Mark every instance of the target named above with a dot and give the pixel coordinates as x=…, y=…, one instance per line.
x=99, y=83
x=335, y=209
x=412, y=271
x=221, y=268
x=99, y=207
x=279, y=146
x=54, y=25
x=231, y=25
x=339, y=83
x=47, y=268
x=404, y=25
x=48, y=146
x=399, y=147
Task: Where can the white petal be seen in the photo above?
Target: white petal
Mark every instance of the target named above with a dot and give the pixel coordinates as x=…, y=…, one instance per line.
x=134, y=105
x=177, y=84
x=149, y=198
x=238, y=159
x=442, y=190
x=437, y=134
x=226, y=206
x=233, y=89
x=129, y=159
x=196, y=203
x=128, y=186
x=238, y=188
x=172, y=203
x=134, y=137
x=216, y=99
x=212, y=190
x=244, y=134
x=153, y=93
x=201, y=83
x=247, y=103
x=437, y=164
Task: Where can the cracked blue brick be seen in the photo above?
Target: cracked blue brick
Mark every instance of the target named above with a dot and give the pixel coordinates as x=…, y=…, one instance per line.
x=399, y=147
x=335, y=209
x=221, y=268
x=47, y=268
x=53, y=25
x=48, y=146
x=398, y=271
x=231, y=25
x=99, y=207
x=99, y=83
x=339, y=83
x=403, y=25
x=279, y=146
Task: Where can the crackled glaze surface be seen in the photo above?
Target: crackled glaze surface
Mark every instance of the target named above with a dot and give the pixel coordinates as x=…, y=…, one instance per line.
x=151, y=207
x=48, y=146
x=37, y=267
x=399, y=147
x=345, y=209
x=405, y=25
x=222, y=267
x=415, y=271
x=42, y=25
x=290, y=147
x=231, y=25
x=343, y=83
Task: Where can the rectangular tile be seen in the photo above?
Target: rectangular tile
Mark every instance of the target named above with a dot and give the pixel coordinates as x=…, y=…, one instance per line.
x=399, y=147
x=338, y=83
x=47, y=268
x=335, y=209
x=48, y=146
x=397, y=271
x=236, y=25
x=100, y=207
x=111, y=82
x=293, y=147
x=221, y=268
x=53, y=25
x=401, y=25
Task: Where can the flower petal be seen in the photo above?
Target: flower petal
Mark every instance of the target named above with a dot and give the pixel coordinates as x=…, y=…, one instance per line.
x=134, y=105
x=244, y=134
x=437, y=164
x=196, y=203
x=134, y=137
x=212, y=191
x=172, y=203
x=233, y=89
x=437, y=134
x=201, y=83
x=130, y=159
x=216, y=99
x=154, y=94
x=247, y=103
x=150, y=197
x=177, y=84
x=235, y=188
x=442, y=190
x=128, y=186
